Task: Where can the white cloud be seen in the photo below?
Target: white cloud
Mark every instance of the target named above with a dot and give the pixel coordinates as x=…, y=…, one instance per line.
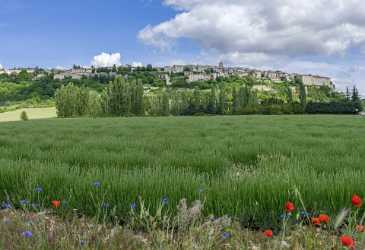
x=258, y=26
x=1, y=66
x=137, y=64
x=106, y=60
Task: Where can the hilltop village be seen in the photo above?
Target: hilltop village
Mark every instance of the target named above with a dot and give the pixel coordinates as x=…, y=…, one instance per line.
x=191, y=73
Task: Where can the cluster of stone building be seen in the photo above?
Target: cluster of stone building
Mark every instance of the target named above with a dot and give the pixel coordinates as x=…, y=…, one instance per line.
x=194, y=73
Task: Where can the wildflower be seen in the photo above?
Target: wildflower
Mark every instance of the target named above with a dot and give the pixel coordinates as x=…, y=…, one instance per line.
x=27, y=234
x=324, y=218
x=97, y=184
x=316, y=221
x=360, y=228
x=356, y=201
x=226, y=235
x=6, y=205
x=165, y=201
x=200, y=190
x=105, y=205
x=268, y=233
x=38, y=189
x=24, y=202
x=285, y=216
x=289, y=207
x=133, y=206
x=56, y=203
x=304, y=214
x=347, y=241
x=82, y=242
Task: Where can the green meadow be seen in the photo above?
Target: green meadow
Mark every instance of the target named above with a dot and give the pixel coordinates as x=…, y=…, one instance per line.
x=243, y=166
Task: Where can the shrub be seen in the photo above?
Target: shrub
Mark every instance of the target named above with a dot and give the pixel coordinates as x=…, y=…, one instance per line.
x=24, y=116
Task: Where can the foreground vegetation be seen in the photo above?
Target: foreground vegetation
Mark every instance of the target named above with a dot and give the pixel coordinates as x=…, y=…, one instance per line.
x=246, y=167
x=188, y=229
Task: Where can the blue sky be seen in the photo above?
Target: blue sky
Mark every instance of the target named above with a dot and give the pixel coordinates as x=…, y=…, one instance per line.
x=325, y=37
x=61, y=33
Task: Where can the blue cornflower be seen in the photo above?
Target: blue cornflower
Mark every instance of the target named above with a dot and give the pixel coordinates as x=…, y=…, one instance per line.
x=305, y=214
x=24, y=202
x=226, y=235
x=38, y=189
x=27, y=234
x=165, y=201
x=97, y=184
x=285, y=216
x=105, y=205
x=133, y=206
x=82, y=242
x=6, y=205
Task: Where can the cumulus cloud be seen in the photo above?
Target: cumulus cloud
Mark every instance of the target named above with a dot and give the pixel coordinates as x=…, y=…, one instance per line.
x=137, y=64
x=274, y=27
x=107, y=60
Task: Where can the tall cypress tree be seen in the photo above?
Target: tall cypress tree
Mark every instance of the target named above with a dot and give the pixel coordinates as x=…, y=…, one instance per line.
x=356, y=101
x=236, y=101
x=212, y=102
x=165, y=104
x=222, y=103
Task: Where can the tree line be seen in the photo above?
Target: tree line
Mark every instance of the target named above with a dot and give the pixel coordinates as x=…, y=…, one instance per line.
x=126, y=97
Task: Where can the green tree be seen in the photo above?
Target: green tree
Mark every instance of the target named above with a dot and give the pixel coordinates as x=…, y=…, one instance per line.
x=222, y=102
x=72, y=101
x=236, y=106
x=165, y=104
x=356, y=100
x=212, y=102
x=302, y=94
x=24, y=116
x=117, y=98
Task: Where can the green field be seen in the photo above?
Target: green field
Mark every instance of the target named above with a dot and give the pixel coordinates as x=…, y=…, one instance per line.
x=243, y=166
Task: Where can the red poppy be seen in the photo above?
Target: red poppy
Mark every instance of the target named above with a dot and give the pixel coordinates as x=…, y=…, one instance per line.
x=347, y=241
x=289, y=207
x=324, y=218
x=316, y=221
x=268, y=233
x=356, y=201
x=360, y=228
x=56, y=203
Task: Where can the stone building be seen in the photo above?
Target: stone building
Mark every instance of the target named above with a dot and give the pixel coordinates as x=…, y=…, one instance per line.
x=311, y=80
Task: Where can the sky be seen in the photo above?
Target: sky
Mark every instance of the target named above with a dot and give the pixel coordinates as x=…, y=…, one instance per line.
x=325, y=37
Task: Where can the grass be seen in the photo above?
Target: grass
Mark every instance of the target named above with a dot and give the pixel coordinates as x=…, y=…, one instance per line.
x=33, y=113
x=246, y=167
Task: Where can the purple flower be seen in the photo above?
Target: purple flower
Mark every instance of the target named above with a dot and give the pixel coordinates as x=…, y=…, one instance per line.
x=105, y=205
x=97, y=184
x=24, y=202
x=165, y=201
x=133, y=206
x=6, y=205
x=82, y=242
x=38, y=189
x=226, y=235
x=27, y=234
